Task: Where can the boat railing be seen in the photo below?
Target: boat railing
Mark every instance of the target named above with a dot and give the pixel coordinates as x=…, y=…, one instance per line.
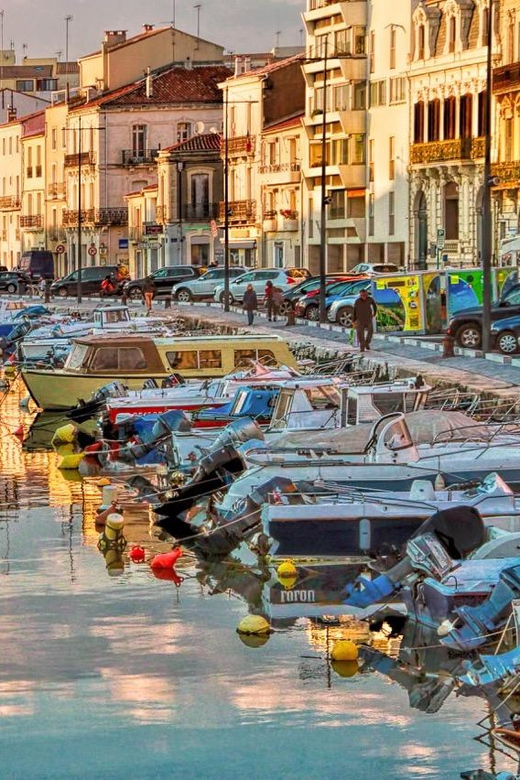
x=479, y=432
x=474, y=405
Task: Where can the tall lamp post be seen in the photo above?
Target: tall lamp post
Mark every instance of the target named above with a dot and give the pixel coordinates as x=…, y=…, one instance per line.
x=79, y=264
x=324, y=199
x=68, y=19
x=226, y=203
x=486, y=202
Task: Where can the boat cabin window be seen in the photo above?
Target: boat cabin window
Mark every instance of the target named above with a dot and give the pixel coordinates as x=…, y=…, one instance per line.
x=397, y=437
x=240, y=401
x=282, y=409
x=323, y=397
x=121, y=359
x=119, y=315
x=195, y=359
x=77, y=356
x=244, y=357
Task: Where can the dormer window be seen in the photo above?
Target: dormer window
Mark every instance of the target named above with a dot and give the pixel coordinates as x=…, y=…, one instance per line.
x=420, y=42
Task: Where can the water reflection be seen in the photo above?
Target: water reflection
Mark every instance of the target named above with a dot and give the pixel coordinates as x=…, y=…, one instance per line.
x=110, y=676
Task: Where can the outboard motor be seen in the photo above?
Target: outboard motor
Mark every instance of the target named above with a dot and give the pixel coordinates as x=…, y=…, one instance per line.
x=86, y=409
x=238, y=432
x=446, y=535
x=474, y=625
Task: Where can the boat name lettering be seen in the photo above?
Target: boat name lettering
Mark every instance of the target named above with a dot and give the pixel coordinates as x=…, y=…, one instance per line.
x=302, y=596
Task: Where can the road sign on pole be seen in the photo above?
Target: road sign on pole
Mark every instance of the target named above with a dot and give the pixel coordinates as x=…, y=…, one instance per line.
x=60, y=249
x=92, y=251
x=441, y=238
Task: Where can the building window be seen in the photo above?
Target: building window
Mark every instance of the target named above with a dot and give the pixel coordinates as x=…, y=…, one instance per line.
x=371, y=214
x=310, y=206
x=359, y=40
x=341, y=97
x=511, y=38
x=199, y=195
x=359, y=98
x=391, y=158
x=355, y=205
x=25, y=85
x=46, y=85
x=183, y=131
x=398, y=89
x=391, y=213
x=340, y=151
x=434, y=113
x=358, y=155
x=452, y=34
x=420, y=42
x=378, y=93
x=451, y=211
x=371, y=176
x=372, y=52
x=508, y=139
x=138, y=140
x=342, y=42
x=418, y=123
x=484, y=28
x=466, y=116
x=449, y=118
x=337, y=204
x=54, y=139
x=392, y=46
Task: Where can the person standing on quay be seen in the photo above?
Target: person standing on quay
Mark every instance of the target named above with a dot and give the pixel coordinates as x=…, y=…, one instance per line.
x=365, y=309
x=268, y=299
x=250, y=303
x=149, y=290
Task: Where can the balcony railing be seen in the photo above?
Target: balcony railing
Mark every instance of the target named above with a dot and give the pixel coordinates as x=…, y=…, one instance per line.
x=9, y=202
x=507, y=172
x=293, y=167
x=241, y=145
x=96, y=217
x=138, y=156
x=57, y=189
x=506, y=77
x=442, y=151
x=32, y=221
x=239, y=211
x=73, y=160
x=200, y=211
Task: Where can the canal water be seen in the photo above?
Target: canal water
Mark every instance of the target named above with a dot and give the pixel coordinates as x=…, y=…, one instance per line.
x=108, y=672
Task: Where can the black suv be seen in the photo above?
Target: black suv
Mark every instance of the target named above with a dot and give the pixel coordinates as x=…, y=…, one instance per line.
x=91, y=278
x=164, y=279
x=13, y=281
x=466, y=325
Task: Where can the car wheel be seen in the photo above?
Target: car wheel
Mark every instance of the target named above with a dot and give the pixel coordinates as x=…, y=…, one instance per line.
x=507, y=342
x=223, y=298
x=11, y=288
x=312, y=313
x=345, y=317
x=135, y=293
x=285, y=308
x=469, y=336
x=183, y=295
x=63, y=292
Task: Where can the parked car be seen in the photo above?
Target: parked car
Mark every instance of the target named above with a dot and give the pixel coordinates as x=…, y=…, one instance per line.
x=308, y=307
x=299, y=273
x=466, y=325
x=204, y=286
x=505, y=335
x=164, y=278
x=37, y=264
x=280, y=277
x=13, y=281
x=375, y=268
x=91, y=278
x=293, y=295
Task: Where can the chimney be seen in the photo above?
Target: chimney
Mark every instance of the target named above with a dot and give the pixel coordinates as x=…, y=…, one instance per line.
x=11, y=113
x=114, y=37
x=149, y=84
x=237, y=66
x=147, y=28
x=247, y=64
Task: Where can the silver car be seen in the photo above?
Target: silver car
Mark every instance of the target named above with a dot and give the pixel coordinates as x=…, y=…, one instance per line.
x=280, y=277
x=204, y=286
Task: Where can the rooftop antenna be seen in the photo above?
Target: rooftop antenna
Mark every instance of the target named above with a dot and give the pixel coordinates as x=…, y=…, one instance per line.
x=301, y=36
x=58, y=55
x=197, y=7
x=277, y=39
x=25, y=46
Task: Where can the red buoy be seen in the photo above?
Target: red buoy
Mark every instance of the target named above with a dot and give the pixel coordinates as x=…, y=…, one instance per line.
x=166, y=560
x=137, y=554
x=167, y=574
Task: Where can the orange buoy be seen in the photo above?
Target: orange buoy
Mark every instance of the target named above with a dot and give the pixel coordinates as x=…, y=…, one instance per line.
x=166, y=560
x=19, y=432
x=137, y=554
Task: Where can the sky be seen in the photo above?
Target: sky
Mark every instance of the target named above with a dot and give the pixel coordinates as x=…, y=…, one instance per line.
x=239, y=25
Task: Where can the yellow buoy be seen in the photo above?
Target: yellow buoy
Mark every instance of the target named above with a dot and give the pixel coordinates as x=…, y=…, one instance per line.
x=287, y=569
x=254, y=640
x=345, y=668
x=344, y=650
x=65, y=434
x=254, y=624
x=71, y=461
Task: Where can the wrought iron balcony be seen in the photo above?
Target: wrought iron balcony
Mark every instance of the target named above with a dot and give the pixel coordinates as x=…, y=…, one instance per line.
x=242, y=145
x=85, y=158
x=9, y=202
x=239, y=211
x=70, y=217
x=138, y=156
x=32, y=221
x=293, y=167
x=96, y=217
x=57, y=189
x=508, y=173
x=443, y=151
x=507, y=77
x=200, y=211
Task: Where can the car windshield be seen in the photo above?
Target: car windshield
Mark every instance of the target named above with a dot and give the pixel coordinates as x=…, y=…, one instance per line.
x=512, y=298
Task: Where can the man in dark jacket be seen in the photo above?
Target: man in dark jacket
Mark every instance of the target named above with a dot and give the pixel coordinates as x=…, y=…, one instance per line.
x=250, y=303
x=365, y=309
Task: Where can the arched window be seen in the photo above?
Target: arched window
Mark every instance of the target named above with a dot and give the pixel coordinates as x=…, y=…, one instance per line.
x=451, y=211
x=449, y=118
x=418, y=123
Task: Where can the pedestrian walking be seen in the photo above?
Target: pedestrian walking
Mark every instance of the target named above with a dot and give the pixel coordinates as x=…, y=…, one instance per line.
x=365, y=309
x=149, y=290
x=107, y=286
x=268, y=299
x=277, y=297
x=250, y=303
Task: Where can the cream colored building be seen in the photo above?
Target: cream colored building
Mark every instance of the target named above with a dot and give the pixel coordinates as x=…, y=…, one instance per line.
x=447, y=83
x=55, y=188
x=32, y=217
x=144, y=240
x=10, y=193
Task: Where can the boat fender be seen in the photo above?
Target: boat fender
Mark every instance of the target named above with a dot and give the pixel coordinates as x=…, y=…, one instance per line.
x=345, y=668
x=112, y=535
x=114, y=562
x=71, y=461
x=364, y=592
x=344, y=650
x=166, y=560
x=65, y=434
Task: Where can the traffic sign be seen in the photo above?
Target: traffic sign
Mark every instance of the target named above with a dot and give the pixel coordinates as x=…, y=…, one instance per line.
x=92, y=251
x=60, y=249
x=441, y=238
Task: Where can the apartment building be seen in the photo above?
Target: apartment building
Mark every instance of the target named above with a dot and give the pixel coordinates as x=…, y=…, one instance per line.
x=32, y=222
x=10, y=193
x=37, y=76
x=447, y=83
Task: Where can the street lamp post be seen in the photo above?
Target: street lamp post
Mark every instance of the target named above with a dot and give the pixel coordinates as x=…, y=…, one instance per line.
x=486, y=202
x=68, y=19
x=324, y=199
x=180, y=168
x=226, y=203
x=79, y=210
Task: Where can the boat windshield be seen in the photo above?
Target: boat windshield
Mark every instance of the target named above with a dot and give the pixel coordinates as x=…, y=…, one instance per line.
x=77, y=357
